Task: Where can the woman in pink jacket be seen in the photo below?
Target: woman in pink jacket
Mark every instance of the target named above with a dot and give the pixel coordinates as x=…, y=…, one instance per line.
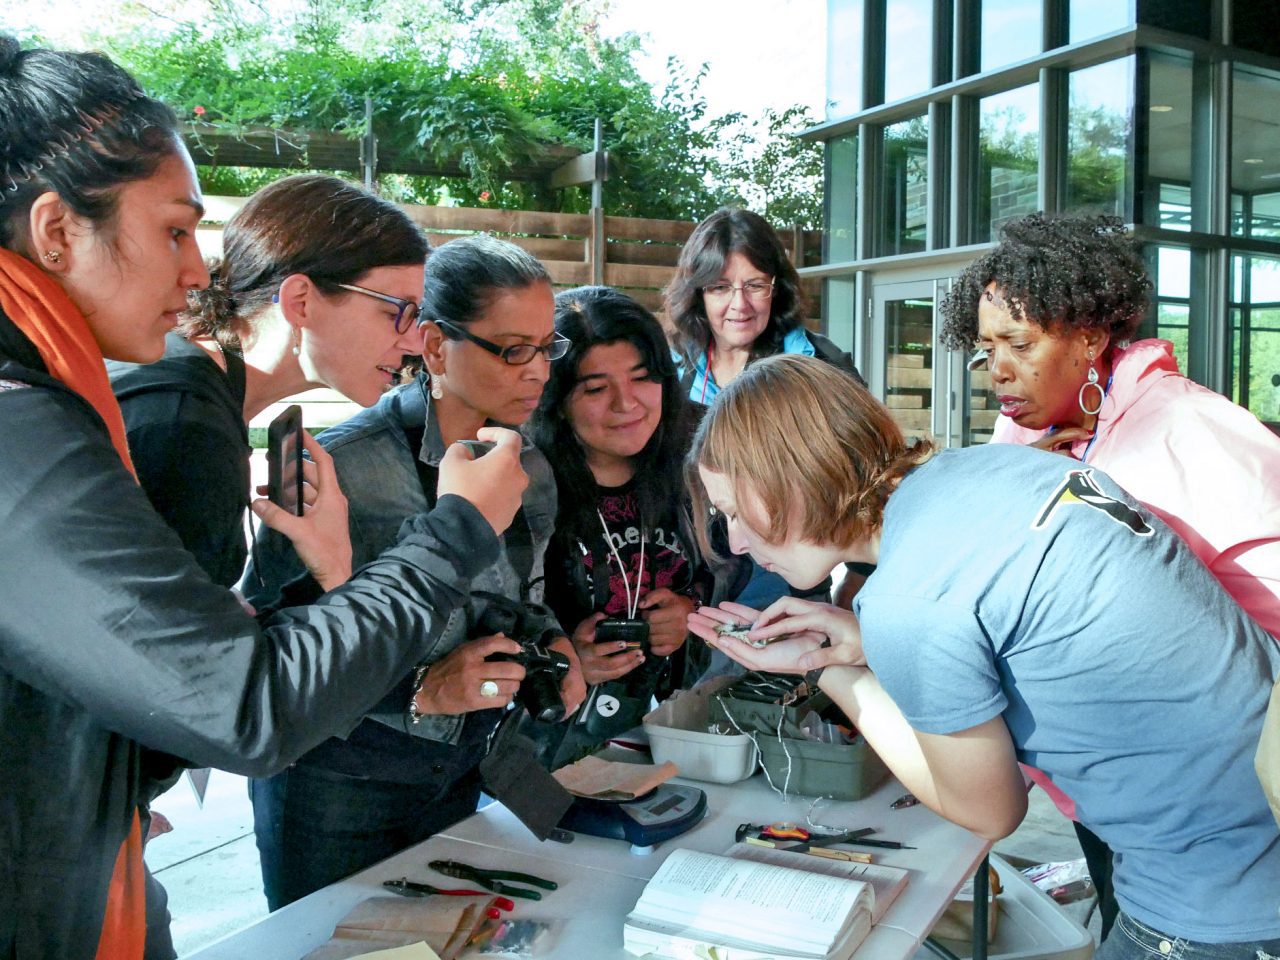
x=1051, y=310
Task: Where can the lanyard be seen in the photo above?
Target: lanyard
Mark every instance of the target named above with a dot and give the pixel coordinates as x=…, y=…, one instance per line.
x=706, y=377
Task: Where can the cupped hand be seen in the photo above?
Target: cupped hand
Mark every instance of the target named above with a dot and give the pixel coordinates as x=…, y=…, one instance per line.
x=1060, y=441
x=321, y=535
x=493, y=483
x=573, y=688
x=667, y=614
x=452, y=684
x=602, y=661
x=791, y=616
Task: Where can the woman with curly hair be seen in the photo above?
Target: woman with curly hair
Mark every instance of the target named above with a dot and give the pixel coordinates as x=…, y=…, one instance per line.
x=1052, y=309
x=1002, y=624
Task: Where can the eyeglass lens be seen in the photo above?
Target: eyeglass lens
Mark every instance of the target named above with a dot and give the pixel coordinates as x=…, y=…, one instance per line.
x=752, y=290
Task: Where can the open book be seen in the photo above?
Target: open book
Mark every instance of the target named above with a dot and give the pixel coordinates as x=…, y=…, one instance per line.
x=748, y=909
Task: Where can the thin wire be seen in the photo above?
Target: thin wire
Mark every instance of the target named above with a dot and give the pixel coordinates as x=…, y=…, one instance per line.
x=632, y=607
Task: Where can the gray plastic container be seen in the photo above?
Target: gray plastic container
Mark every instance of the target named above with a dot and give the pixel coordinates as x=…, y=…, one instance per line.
x=844, y=771
x=754, y=716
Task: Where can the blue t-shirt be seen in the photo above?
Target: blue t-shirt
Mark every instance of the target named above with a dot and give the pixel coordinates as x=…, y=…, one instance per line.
x=1017, y=583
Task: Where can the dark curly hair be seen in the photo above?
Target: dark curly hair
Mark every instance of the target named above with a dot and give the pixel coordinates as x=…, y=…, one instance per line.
x=1078, y=272
x=732, y=230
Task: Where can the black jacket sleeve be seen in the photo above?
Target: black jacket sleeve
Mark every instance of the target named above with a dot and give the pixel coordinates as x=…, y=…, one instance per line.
x=102, y=608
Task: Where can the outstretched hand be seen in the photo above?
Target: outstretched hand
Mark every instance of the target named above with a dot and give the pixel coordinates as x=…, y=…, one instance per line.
x=795, y=630
x=321, y=535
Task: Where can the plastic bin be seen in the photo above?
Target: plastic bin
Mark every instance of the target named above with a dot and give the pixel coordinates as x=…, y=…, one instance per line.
x=845, y=771
x=677, y=732
x=1031, y=926
x=757, y=716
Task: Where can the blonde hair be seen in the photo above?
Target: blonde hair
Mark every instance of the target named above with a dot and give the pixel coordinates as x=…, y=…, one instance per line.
x=820, y=452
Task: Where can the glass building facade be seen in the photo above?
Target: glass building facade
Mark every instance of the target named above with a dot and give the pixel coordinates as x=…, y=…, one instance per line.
x=946, y=118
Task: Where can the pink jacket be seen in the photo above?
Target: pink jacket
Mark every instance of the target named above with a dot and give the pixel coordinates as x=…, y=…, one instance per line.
x=1201, y=463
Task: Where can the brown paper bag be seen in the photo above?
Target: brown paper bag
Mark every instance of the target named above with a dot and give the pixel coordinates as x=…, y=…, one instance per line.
x=956, y=922
x=443, y=923
x=1267, y=761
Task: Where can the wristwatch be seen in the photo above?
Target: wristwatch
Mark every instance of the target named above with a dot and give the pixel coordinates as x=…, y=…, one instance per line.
x=415, y=716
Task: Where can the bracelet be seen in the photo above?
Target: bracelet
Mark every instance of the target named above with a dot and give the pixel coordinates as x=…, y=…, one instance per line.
x=420, y=674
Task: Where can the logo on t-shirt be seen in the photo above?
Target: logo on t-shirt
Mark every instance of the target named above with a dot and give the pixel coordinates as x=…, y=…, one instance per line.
x=1080, y=487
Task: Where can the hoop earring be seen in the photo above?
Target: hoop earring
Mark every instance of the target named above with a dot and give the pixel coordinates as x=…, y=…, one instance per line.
x=437, y=387
x=53, y=256
x=1091, y=382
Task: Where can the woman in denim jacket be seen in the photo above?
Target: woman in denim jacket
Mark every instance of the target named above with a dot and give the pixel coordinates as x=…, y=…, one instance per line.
x=409, y=768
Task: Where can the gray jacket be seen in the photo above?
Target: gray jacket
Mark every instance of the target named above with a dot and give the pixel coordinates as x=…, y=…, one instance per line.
x=375, y=464
x=113, y=641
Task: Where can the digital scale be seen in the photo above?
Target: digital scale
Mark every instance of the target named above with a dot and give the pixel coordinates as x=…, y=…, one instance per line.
x=664, y=812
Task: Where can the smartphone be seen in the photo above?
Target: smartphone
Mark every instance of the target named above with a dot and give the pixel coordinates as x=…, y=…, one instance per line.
x=284, y=460
x=634, y=633
x=478, y=448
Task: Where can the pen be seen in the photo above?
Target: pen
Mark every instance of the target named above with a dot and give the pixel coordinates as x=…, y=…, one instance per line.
x=886, y=844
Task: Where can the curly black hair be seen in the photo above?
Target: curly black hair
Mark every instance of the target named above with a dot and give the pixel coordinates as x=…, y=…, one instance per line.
x=1075, y=271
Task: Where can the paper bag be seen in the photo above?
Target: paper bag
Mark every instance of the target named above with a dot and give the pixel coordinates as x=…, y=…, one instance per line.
x=956, y=922
x=443, y=923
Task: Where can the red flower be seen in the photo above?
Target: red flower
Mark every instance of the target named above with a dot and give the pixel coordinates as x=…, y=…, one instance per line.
x=199, y=111
x=485, y=195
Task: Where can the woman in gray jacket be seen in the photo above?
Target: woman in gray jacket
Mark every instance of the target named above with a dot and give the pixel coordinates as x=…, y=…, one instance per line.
x=112, y=641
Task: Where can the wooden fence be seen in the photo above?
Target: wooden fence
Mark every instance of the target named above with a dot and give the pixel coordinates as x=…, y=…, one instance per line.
x=633, y=254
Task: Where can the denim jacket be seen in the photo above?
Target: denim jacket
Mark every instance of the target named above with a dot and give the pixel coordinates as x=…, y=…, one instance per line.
x=376, y=469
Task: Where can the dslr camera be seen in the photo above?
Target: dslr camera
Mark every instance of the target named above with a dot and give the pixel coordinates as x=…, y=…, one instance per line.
x=544, y=668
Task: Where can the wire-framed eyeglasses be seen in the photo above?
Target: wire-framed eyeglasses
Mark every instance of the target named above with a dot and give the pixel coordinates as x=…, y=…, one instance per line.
x=517, y=354
x=406, y=310
x=757, y=291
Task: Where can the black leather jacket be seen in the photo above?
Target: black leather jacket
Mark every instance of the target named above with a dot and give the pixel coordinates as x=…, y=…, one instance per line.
x=114, y=642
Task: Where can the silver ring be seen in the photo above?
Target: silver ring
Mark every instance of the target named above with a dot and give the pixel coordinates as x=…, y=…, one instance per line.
x=489, y=689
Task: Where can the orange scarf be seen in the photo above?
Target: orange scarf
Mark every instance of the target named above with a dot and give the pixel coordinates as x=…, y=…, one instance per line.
x=43, y=311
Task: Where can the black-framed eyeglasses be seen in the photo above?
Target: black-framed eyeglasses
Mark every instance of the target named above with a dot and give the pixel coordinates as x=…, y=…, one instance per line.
x=406, y=310
x=518, y=354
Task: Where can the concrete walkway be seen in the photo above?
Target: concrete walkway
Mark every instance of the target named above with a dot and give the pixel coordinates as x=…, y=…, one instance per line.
x=209, y=863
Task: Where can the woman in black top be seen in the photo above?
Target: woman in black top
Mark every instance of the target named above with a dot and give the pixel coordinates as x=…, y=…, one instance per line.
x=615, y=427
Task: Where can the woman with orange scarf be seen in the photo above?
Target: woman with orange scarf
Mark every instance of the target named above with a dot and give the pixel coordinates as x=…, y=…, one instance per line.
x=113, y=643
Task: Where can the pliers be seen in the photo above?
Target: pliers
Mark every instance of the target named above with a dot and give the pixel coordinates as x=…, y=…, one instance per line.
x=409, y=888
x=493, y=879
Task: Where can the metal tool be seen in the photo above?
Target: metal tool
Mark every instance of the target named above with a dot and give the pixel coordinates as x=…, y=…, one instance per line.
x=409, y=888
x=494, y=879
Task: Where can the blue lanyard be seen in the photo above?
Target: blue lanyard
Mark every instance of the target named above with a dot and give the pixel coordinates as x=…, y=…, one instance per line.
x=1089, y=446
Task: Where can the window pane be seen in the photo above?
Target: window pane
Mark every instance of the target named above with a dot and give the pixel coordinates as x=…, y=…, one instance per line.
x=1093, y=18
x=1255, y=159
x=842, y=186
x=1255, y=25
x=908, y=48
x=1099, y=124
x=909, y=365
x=1009, y=158
x=1255, y=346
x=1173, y=276
x=1173, y=323
x=1168, y=189
x=1011, y=31
x=844, y=57
x=905, y=187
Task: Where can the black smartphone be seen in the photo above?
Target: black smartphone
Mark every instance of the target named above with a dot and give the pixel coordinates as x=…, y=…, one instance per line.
x=478, y=448
x=284, y=460
x=634, y=633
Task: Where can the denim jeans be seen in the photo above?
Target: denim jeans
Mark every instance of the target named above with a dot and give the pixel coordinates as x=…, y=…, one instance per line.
x=315, y=827
x=1133, y=940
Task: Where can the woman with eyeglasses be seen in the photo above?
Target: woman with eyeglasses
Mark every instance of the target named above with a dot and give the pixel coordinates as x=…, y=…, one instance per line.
x=735, y=298
x=318, y=286
x=488, y=345
x=115, y=646
x=614, y=422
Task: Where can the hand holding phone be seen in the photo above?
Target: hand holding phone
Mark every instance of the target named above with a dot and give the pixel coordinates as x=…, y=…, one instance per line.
x=634, y=633
x=284, y=460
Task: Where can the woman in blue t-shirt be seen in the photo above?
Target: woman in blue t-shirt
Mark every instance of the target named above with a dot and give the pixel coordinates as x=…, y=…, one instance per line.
x=1023, y=608
x=614, y=426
